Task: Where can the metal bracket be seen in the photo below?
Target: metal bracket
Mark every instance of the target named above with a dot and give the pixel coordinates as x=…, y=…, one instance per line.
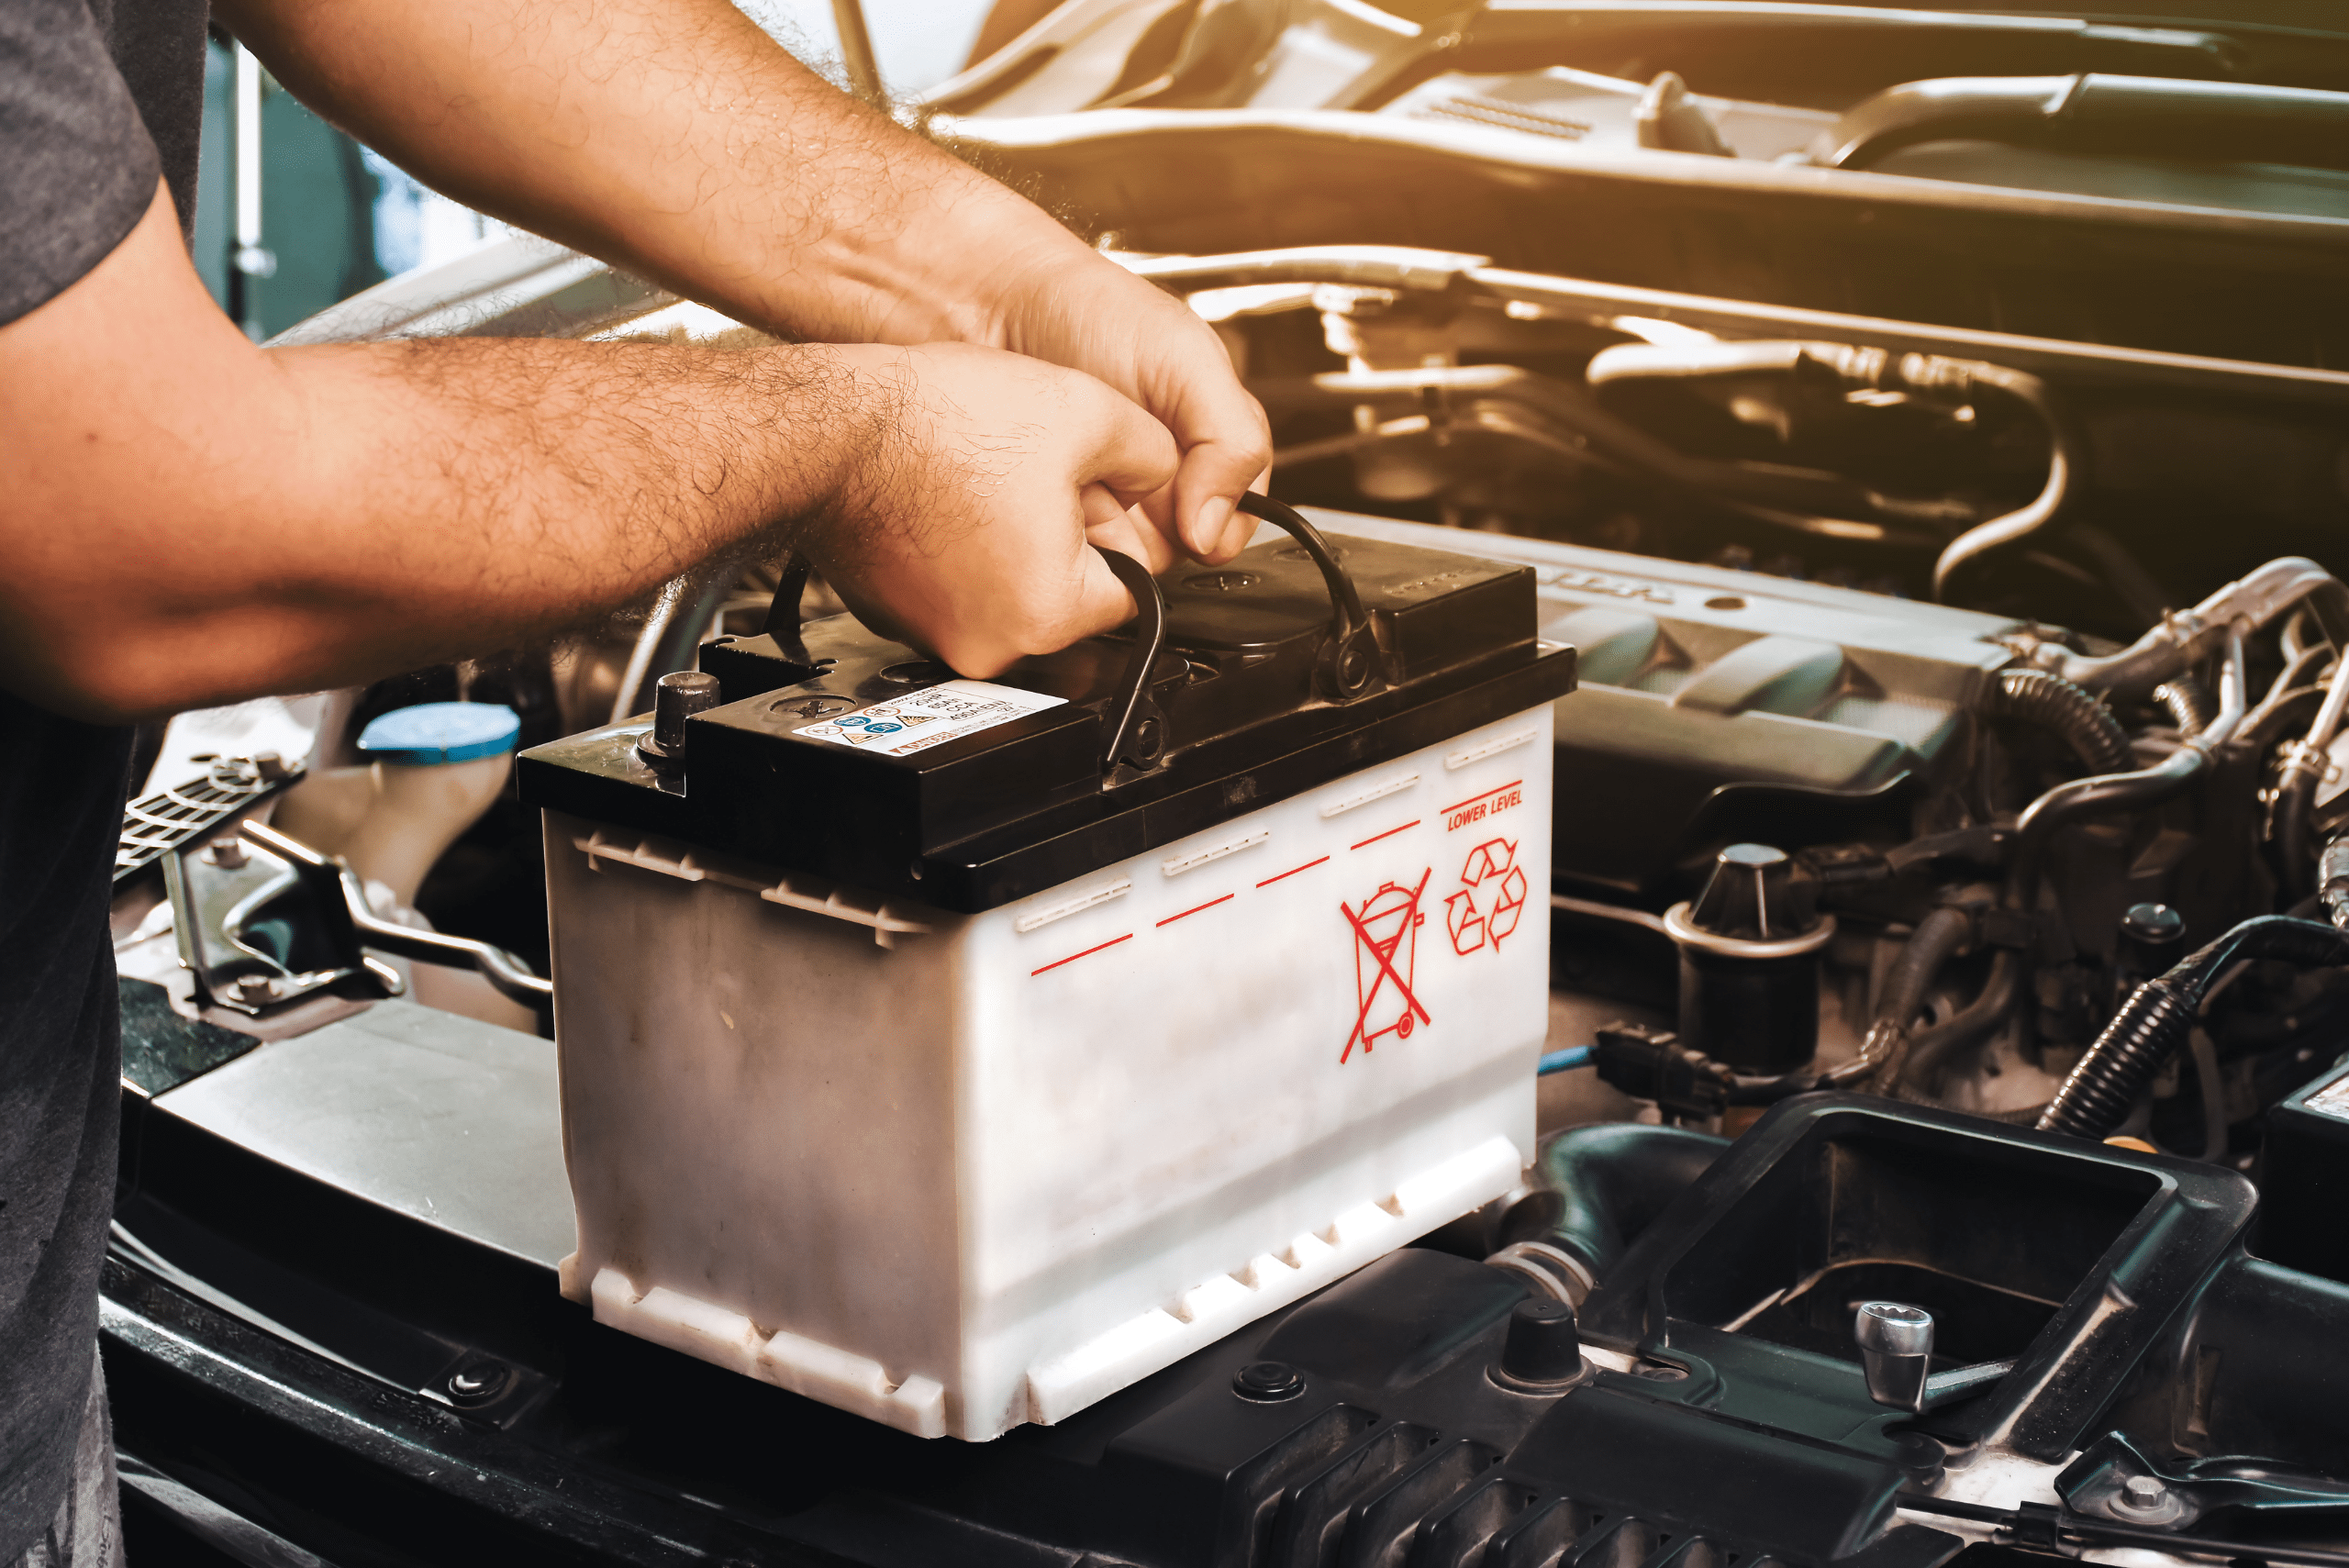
x=273, y=922
x=2114, y=1479
x=174, y=817
x=507, y=974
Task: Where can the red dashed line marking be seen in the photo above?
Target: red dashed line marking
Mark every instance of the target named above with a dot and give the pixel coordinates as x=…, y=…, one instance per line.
x=1088, y=953
x=1208, y=904
x=1475, y=798
x=1389, y=833
x=1292, y=872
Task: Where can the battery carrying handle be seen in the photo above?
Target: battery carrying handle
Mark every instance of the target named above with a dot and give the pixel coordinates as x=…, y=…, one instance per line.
x=1137, y=729
x=783, y=611
x=1351, y=663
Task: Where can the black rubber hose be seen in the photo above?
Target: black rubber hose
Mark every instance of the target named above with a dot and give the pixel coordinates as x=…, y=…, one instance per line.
x=1932, y=1047
x=2103, y=1089
x=1615, y=1178
x=1933, y=943
x=2096, y=795
x=2051, y=703
x=2159, y=1015
x=2295, y=830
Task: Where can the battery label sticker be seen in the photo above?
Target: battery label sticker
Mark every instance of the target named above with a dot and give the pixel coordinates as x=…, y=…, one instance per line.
x=918, y=720
x=2332, y=1099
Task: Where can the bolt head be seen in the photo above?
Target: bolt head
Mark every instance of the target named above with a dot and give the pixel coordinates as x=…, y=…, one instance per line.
x=2144, y=1492
x=256, y=988
x=1893, y=1328
x=1543, y=1345
x=2153, y=923
x=477, y=1383
x=1268, y=1383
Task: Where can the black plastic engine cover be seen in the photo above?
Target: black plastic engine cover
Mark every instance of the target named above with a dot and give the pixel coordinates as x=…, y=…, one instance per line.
x=2019, y=1242
x=302, y=1378
x=2304, y=1172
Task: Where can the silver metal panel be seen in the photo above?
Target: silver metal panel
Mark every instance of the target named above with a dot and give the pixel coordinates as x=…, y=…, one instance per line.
x=453, y=1121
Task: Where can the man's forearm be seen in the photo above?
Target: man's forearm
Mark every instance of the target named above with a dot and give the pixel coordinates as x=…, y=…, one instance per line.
x=302, y=519
x=675, y=138
x=244, y=520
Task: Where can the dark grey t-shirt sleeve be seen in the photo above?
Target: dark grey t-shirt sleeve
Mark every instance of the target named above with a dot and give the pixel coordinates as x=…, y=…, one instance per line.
x=77, y=167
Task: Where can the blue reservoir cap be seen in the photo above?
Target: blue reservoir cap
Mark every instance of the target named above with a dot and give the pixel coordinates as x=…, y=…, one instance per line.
x=433, y=733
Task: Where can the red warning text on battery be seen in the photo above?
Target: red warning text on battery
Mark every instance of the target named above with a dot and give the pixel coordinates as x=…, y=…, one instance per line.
x=1477, y=807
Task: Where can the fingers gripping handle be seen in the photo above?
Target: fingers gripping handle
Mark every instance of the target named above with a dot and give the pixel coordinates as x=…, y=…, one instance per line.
x=1351, y=663
x=1137, y=729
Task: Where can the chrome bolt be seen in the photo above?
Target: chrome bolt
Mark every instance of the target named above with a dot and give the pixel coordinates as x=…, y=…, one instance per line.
x=478, y=1383
x=1893, y=1328
x=2144, y=1493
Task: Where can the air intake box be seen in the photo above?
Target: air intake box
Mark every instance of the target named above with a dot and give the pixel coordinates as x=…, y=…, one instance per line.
x=957, y=1052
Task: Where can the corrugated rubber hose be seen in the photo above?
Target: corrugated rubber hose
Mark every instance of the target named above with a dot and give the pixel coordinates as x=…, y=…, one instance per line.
x=2049, y=702
x=2187, y=702
x=2158, y=1016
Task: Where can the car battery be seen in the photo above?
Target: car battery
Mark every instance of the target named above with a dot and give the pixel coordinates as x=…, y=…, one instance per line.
x=956, y=1051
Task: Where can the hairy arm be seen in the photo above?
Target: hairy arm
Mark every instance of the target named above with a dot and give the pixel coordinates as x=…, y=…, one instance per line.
x=672, y=137
x=186, y=518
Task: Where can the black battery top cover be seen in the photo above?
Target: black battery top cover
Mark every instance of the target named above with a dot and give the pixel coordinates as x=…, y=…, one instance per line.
x=839, y=753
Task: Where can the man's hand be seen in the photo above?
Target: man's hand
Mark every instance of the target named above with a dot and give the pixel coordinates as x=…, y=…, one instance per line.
x=1091, y=313
x=245, y=520
x=968, y=530
x=672, y=137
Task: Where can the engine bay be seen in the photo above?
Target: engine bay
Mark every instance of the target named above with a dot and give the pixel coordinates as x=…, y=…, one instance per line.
x=1929, y=450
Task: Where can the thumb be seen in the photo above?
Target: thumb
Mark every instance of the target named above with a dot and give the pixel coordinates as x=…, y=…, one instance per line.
x=1103, y=603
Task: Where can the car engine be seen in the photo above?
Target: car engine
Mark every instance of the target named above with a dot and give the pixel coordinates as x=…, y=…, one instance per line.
x=1926, y=439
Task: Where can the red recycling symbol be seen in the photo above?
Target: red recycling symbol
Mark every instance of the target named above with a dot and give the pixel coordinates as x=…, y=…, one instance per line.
x=1491, y=899
x=1387, y=946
